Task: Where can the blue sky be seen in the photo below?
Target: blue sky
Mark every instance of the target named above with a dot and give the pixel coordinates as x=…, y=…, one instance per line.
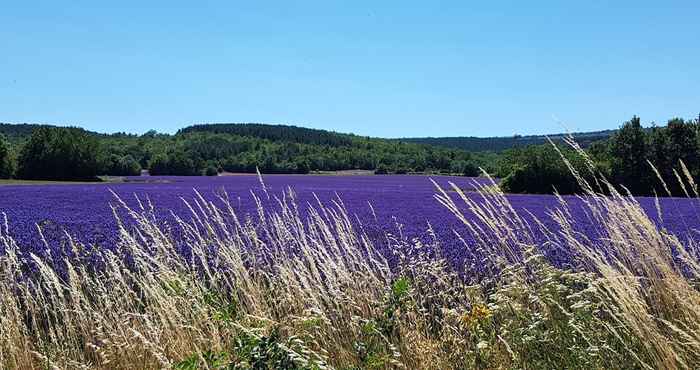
x=389, y=68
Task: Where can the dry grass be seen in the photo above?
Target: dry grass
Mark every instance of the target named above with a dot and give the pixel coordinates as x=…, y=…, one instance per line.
x=282, y=290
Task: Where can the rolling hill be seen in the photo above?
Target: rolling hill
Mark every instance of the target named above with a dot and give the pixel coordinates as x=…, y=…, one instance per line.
x=286, y=133
x=303, y=135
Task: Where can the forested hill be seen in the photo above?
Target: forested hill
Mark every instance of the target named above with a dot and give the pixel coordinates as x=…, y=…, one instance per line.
x=303, y=135
x=212, y=148
x=497, y=144
x=246, y=147
x=16, y=132
x=292, y=134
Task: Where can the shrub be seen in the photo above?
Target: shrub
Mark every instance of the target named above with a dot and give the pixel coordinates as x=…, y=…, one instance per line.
x=211, y=171
x=382, y=170
x=303, y=166
x=121, y=166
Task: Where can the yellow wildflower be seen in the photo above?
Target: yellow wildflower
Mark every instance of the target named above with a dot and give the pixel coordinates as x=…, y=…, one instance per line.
x=478, y=313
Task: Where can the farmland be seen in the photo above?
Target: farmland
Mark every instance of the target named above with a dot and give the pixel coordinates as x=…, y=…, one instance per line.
x=307, y=272
x=400, y=205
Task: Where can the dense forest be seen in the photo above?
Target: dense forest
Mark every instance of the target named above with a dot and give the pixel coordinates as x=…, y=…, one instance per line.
x=293, y=134
x=48, y=152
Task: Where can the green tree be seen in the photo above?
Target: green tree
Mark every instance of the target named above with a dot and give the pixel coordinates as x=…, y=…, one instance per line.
x=211, y=171
x=682, y=143
x=159, y=165
x=628, y=150
x=176, y=162
x=5, y=159
x=539, y=169
x=59, y=153
x=669, y=146
x=465, y=168
x=658, y=145
x=116, y=165
x=471, y=169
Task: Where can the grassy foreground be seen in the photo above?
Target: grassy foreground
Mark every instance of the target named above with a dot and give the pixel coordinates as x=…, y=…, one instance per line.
x=282, y=291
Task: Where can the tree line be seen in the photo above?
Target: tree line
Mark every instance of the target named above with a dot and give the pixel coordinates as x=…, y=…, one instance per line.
x=499, y=144
x=70, y=153
x=625, y=158
x=642, y=161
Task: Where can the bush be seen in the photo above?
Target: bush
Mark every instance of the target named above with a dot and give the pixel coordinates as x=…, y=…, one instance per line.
x=121, y=166
x=59, y=153
x=401, y=171
x=303, y=166
x=211, y=171
x=381, y=170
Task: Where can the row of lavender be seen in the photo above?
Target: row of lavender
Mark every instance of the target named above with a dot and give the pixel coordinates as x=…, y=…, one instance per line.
x=401, y=205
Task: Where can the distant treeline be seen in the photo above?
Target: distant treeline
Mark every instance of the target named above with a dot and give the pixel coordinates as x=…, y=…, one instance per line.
x=58, y=153
x=497, y=144
x=643, y=161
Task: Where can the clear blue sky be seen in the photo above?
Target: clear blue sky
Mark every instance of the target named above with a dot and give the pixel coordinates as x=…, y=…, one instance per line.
x=380, y=68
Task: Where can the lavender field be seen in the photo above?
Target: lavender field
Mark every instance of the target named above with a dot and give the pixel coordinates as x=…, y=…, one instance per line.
x=401, y=205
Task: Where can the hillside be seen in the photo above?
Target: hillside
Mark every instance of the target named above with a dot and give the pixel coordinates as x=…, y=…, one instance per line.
x=209, y=148
x=497, y=144
x=16, y=132
x=245, y=147
x=303, y=135
x=285, y=133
